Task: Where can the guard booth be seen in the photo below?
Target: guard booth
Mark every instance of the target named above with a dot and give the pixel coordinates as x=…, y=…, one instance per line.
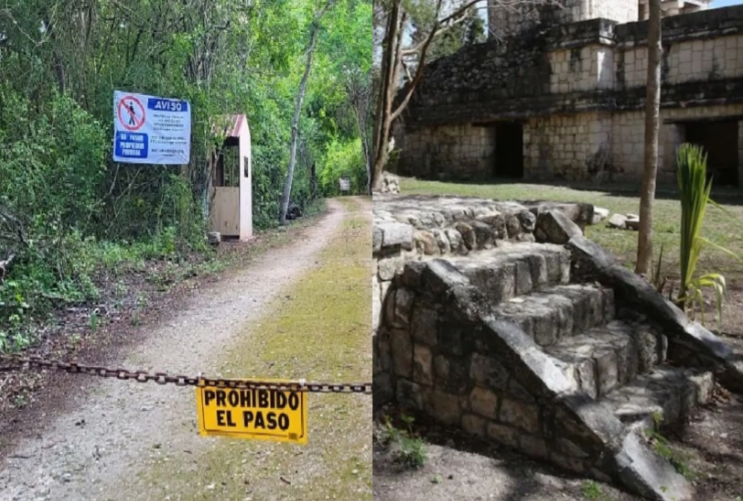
x=231, y=201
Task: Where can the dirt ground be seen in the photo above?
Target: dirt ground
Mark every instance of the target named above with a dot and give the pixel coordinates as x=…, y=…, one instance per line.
x=103, y=439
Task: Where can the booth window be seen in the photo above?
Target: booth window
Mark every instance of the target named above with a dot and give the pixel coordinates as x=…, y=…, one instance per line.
x=227, y=169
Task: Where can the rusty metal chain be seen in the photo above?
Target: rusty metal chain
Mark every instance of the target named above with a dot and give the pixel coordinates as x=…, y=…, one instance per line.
x=38, y=363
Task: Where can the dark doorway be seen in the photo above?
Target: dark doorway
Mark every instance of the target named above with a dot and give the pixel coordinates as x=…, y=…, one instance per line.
x=720, y=142
x=509, y=150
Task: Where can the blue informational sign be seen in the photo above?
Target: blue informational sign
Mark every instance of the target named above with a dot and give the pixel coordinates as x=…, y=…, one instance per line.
x=151, y=130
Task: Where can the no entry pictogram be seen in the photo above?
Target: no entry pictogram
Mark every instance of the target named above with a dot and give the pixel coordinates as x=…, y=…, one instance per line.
x=131, y=113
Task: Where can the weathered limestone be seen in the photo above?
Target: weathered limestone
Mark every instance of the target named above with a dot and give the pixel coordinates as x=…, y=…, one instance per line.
x=581, y=118
x=548, y=348
x=575, y=404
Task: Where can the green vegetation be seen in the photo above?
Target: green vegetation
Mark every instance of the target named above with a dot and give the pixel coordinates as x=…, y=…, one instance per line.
x=73, y=218
x=410, y=449
x=591, y=490
x=694, y=191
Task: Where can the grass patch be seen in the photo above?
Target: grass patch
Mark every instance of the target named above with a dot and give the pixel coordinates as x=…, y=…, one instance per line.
x=725, y=229
x=318, y=330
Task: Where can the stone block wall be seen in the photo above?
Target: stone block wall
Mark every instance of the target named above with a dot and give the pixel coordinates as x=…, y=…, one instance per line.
x=624, y=11
x=628, y=140
x=513, y=19
x=683, y=61
x=463, y=151
x=581, y=69
x=568, y=147
x=431, y=348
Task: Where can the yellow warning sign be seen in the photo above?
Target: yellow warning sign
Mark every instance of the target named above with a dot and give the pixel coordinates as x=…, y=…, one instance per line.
x=262, y=414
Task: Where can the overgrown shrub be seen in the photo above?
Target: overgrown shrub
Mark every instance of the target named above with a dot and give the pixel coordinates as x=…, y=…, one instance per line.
x=694, y=193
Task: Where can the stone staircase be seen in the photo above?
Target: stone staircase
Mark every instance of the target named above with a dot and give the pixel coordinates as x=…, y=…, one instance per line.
x=502, y=319
x=612, y=354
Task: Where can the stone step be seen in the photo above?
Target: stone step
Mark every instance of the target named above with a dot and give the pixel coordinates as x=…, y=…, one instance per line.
x=515, y=269
x=557, y=312
x=598, y=360
x=667, y=393
x=609, y=355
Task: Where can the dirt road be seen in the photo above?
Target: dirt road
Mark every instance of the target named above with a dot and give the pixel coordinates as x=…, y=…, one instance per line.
x=280, y=317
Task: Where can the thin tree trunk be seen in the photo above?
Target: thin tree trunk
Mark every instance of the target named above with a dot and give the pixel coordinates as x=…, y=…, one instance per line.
x=652, y=125
x=297, y=112
x=391, y=54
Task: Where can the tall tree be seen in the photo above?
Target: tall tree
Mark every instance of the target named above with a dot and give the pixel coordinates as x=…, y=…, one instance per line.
x=652, y=125
x=397, y=55
x=286, y=195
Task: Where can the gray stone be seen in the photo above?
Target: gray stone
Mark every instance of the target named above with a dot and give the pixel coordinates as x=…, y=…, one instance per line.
x=533, y=446
x=422, y=370
x=444, y=407
x=488, y=372
x=565, y=446
x=388, y=268
x=473, y=425
x=468, y=235
x=528, y=220
x=567, y=462
x=401, y=349
x=456, y=241
x=599, y=214
x=376, y=239
x=523, y=283
x=376, y=304
x=426, y=243
x=617, y=221
x=643, y=471
x=383, y=391
x=520, y=414
x=396, y=234
x=484, y=402
x=403, y=307
x=484, y=236
x=632, y=223
x=214, y=237
x=443, y=241
x=504, y=434
x=424, y=324
x=409, y=394
x=513, y=226
x=555, y=227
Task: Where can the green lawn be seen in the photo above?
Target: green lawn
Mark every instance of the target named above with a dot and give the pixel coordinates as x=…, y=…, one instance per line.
x=722, y=228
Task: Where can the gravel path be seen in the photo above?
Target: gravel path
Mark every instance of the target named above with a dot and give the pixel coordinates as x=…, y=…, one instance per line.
x=115, y=427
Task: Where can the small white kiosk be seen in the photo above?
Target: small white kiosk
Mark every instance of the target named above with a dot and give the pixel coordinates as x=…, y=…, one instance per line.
x=231, y=200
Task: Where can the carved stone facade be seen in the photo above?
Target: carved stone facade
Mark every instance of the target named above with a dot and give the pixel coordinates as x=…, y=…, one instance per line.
x=562, y=97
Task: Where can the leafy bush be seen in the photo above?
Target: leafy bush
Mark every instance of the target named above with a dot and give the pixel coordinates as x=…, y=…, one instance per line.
x=343, y=159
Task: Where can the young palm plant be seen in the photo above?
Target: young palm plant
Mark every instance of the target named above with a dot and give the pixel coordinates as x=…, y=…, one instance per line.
x=694, y=191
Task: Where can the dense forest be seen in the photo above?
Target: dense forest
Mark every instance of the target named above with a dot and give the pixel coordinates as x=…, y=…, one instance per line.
x=67, y=211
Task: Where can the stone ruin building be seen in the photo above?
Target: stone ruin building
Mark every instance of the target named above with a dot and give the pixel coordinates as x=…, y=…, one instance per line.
x=558, y=94
x=503, y=320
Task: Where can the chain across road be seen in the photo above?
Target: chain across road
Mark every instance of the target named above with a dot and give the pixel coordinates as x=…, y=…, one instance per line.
x=17, y=363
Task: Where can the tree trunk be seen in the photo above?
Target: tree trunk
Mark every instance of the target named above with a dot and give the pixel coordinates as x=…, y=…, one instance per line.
x=295, y=125
x=391, y=53
x=652, y=125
